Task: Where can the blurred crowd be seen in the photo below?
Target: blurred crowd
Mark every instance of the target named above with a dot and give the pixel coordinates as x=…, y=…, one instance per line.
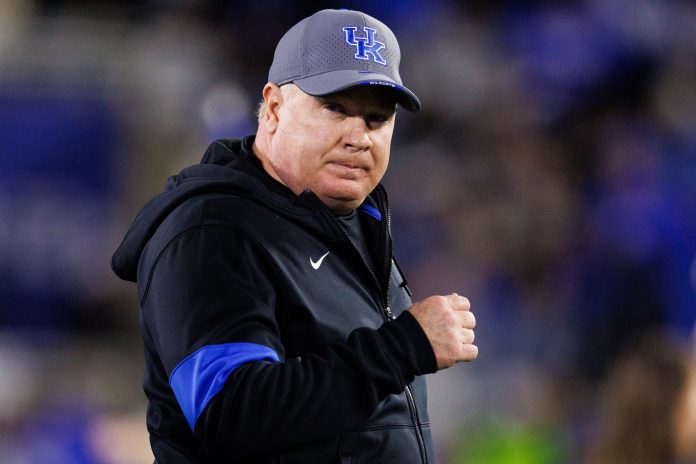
x=551, y=178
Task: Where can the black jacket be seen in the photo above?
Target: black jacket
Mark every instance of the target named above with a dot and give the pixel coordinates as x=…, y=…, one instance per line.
x=267, y=336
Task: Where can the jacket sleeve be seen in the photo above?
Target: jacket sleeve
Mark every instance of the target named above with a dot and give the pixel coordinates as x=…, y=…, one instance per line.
x=210, y=305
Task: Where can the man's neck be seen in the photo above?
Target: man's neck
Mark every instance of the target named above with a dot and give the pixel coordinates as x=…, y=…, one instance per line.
x=260, y=149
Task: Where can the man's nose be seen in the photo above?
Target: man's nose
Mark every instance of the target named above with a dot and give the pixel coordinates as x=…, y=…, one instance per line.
x=356, y=136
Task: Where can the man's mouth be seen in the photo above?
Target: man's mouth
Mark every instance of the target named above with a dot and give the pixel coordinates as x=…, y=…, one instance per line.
x=346, y=169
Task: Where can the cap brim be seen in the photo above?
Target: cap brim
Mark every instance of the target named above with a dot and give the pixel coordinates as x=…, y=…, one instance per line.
x=335, y=81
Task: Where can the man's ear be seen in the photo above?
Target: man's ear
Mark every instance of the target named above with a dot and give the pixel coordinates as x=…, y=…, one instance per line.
x=273, y=98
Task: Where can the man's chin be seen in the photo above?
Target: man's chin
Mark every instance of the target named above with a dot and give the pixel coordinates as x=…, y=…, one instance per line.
x=342, y=195
x=341, y=204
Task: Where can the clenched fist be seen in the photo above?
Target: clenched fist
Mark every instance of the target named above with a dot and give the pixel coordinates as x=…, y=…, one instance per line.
x=449, y=325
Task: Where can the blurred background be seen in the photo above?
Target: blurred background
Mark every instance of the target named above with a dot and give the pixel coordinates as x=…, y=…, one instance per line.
x=551, y=178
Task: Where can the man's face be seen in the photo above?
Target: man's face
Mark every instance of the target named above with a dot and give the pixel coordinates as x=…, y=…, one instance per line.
x=337, y=145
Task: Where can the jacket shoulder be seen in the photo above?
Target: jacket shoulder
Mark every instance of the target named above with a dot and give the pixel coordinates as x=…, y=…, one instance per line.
x=192, y=213
x=225, y=209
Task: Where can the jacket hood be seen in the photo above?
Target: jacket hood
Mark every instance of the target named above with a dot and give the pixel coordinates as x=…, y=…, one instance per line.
x=219, y=171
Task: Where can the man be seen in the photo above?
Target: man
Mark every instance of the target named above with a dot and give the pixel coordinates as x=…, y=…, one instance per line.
x=277, y=326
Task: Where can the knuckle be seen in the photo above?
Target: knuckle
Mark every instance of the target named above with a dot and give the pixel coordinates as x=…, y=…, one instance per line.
x=475, y=351
x=469, y=335
x=470, y=320
x=471, y=352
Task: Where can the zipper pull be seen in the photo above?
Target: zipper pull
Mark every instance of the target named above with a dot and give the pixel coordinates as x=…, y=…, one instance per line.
x=389, y=312
x=404, y=283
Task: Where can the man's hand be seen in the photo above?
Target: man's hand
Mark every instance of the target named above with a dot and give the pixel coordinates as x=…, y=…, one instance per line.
x=449, y=325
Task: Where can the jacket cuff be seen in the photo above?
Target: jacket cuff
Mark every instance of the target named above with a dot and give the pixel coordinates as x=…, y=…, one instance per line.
x=408, y=347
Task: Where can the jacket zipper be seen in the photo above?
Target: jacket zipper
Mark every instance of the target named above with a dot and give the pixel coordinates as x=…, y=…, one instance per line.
x=414, y=417
x=389, y=316
x=409, y=395
x=364, y=261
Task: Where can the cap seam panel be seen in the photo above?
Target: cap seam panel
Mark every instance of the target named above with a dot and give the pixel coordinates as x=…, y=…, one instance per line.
x=302, y=44
x=364, y=25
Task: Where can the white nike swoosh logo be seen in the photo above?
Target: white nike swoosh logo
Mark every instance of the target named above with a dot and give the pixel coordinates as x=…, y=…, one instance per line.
x=318, y=263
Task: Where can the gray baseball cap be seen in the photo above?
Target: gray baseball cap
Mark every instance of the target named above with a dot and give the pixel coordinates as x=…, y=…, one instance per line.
x=333, y=50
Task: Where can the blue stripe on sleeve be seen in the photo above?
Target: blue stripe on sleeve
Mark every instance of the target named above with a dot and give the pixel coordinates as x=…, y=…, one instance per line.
x=372, y=211
x=197, y=379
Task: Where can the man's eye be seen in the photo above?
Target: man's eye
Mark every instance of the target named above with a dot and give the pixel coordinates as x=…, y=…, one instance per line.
x=376, y=119
x=336, y=108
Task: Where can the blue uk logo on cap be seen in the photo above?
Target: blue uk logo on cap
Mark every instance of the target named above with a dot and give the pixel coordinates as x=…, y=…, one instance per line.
x=366, y=46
